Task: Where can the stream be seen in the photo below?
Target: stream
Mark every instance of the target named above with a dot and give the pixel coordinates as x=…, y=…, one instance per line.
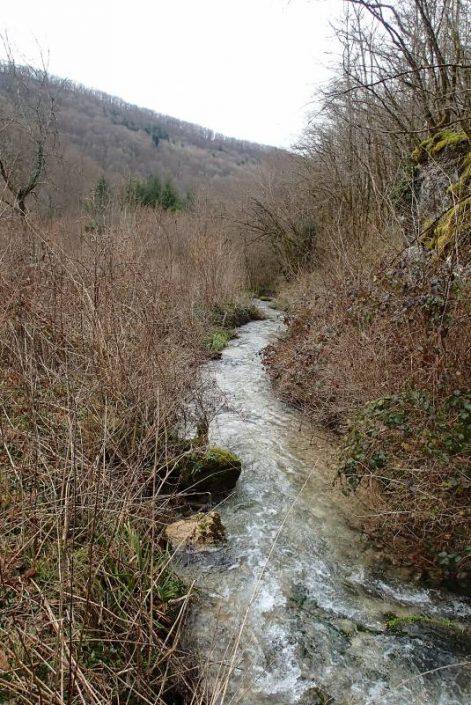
x=294, y=608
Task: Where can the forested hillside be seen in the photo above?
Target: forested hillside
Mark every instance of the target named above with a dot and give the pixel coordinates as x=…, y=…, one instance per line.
x=125, y=139
x=96, y=135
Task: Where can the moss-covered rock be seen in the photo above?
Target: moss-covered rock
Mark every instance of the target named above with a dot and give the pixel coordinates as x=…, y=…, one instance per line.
x=224, y=319
x=445, y=190
x=215, y=470
x=452, y=227
x=436, y=144
x=217, y=340
x=419, y=625
x=235, y=315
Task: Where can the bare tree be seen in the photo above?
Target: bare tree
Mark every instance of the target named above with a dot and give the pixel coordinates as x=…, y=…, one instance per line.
x=411, y=61
x=27, y=131
x=279, y=213
x=405, y=76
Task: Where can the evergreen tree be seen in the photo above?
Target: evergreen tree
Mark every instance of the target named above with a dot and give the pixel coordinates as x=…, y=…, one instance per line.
x=152, y=194
x=98, y=205
x=170, y=199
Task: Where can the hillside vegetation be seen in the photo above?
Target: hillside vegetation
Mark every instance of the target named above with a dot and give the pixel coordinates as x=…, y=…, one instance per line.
x=116, y=286
x=102, y=335
x=95, y=135
x=373, y=228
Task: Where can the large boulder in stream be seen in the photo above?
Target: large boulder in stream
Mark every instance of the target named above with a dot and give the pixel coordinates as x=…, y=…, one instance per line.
x=214, y=471
x=201, y=532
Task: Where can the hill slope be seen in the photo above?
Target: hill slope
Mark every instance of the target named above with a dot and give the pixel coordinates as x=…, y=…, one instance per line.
x=99, y=134
x=122, y=138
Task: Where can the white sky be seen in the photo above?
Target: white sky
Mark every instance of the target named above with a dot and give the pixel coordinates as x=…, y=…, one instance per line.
x=246, y=68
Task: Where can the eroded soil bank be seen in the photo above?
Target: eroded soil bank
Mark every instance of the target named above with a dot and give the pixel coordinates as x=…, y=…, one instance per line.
x=295, y=609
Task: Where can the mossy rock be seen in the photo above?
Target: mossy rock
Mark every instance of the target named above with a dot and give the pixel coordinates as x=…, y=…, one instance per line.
x=433, y=146
x=460, y=187
x=215, y=470
x=418, y=625
x=217, y=340
x=447, y=139
x=230, y=316
x=268, y=298
x=453, y=226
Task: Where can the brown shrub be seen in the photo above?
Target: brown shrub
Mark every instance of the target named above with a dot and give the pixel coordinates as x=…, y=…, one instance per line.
x=101, y=336
x=404, y=331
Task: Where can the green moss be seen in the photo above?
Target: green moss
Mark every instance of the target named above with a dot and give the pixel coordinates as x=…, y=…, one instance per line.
x=427, y=237
x=452, y=226
x=396, y=624
x=217, y=340
x=225, y=318
x=455, y=223
x=463, y=184
x=214, y=459
x=436, y=144
x=220, y=457
x=445, y=139
x=215, y=470
x=417, y=155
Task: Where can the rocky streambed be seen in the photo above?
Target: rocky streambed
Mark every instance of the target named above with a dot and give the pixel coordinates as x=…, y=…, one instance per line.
x=294, y=608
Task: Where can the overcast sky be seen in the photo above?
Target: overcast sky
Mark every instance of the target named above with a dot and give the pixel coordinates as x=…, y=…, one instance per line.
x=246, y=68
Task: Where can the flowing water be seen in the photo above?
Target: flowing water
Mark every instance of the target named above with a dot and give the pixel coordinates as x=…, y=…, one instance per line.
x=296, y=586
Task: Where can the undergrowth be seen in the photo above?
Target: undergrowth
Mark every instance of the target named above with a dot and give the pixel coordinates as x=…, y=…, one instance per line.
x=100, y=354
x=384, y=362
x=415, y=451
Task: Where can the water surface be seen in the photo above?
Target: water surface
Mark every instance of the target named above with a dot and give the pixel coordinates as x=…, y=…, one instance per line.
x=295, y=589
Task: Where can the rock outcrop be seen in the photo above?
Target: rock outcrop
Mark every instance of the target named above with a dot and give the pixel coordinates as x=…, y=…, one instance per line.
x=201, y=532
x=442, y=181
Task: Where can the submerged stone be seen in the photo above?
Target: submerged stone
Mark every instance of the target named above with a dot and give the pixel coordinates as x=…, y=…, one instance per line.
x=316, y=696
x=201, y=532
x=347, y=627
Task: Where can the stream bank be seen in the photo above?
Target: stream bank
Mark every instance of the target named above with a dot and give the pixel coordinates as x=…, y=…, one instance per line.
x=294, y=609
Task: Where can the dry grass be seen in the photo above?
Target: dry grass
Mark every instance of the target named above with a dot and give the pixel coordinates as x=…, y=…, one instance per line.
x=101, y=337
